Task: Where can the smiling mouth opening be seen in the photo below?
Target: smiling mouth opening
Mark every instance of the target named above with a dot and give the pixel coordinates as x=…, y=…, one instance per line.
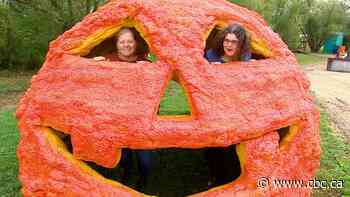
x=175, y=171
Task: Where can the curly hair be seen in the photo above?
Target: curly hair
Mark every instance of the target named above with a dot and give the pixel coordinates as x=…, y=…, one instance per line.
x=242, y=36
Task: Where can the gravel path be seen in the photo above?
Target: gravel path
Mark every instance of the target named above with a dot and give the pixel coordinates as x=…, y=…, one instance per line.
x=332, y=90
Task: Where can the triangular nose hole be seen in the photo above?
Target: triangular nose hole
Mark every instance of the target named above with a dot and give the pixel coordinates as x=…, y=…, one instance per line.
x=175, y=102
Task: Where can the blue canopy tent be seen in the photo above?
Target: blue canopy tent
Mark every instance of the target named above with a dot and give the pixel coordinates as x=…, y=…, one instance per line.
x=331, y=44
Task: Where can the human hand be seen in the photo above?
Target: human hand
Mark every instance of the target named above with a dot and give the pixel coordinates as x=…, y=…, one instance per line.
x=99, y=58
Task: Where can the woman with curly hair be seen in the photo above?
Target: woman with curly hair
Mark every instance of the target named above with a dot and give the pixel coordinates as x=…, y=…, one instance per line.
x=231, y=44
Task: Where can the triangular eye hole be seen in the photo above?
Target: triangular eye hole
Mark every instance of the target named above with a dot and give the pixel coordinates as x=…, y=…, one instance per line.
x=108, y=46
x=174, y=103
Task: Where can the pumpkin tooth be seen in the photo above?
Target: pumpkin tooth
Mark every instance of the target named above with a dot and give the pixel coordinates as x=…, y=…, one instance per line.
x=63, y=141
x=56, y=140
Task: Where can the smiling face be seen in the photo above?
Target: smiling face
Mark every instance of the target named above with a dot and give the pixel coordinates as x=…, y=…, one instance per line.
x=230, y=45
x=262, y=106
x=126, y=44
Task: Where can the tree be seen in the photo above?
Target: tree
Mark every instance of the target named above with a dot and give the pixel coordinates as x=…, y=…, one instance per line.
x=314, y=20
x=281, y=15
x=323, y=19
x=27, y=26
x=6, y=37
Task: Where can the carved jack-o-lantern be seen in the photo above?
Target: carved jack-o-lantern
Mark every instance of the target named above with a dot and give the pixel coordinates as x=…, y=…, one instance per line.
x=105, y=106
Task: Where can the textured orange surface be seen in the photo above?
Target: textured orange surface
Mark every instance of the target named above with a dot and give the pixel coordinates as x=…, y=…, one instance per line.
x=106, y=106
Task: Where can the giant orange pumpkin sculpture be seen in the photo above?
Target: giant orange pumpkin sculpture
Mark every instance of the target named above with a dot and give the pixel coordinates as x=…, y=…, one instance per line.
x=105, y=106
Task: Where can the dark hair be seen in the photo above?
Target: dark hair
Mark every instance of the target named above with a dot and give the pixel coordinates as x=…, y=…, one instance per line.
x=141, y=45
x=242, y=36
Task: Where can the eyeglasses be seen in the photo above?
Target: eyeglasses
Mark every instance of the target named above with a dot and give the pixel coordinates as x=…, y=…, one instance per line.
x=232, y=42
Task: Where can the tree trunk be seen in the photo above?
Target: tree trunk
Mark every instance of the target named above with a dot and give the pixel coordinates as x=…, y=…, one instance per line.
x=88, y=6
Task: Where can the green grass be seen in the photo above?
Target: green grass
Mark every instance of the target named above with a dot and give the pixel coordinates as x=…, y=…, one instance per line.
x=311, y=58
x=174, y=101
x=335, y=159
x=9, y=136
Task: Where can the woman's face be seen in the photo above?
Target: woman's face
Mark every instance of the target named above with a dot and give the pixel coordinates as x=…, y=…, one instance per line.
x=126, y=44
x=230, y=45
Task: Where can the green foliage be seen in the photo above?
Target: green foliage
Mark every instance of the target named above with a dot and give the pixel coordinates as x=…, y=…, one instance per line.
x=298, y=21
x=281, y=15
x=151, y=57
x=321, y=20
x=284, y=15
x=3, y=32
x=3, y=11
x=27, y=27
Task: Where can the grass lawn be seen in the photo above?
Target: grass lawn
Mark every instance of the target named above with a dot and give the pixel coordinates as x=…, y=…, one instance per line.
x=9, y=136
x=335, y=159
x=311, y=58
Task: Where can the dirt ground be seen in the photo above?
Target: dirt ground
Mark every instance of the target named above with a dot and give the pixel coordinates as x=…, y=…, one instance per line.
x=12, y=87
x=9, y=99
x=332, y=90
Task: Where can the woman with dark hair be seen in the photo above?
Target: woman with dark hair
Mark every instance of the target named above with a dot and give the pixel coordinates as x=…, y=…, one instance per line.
x=231, y=44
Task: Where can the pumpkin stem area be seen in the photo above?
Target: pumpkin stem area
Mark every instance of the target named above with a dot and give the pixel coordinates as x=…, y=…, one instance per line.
x=175, y=171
